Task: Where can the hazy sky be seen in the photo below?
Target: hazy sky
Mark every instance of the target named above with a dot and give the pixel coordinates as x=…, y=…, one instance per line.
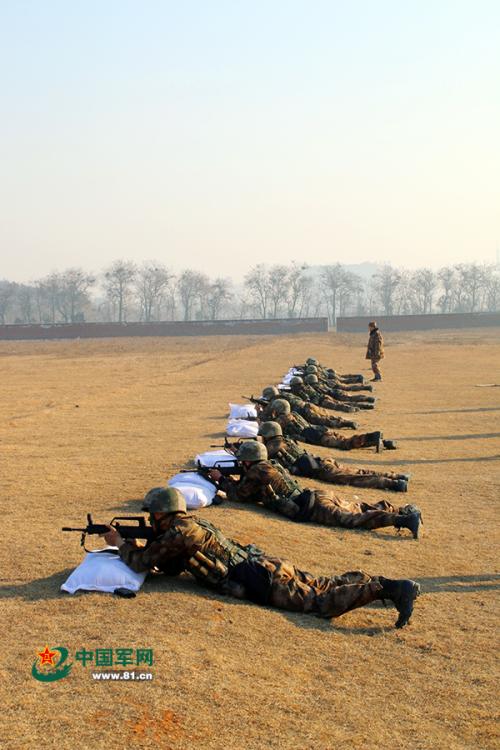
x=218, y=134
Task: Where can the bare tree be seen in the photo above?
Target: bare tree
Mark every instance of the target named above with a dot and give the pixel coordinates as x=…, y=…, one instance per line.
x=447, y=277
x=258, y=286
x=26, y=302
x=424, y=285
x=339, y=286
x=493, y=292
x=118, y=281
x=386, y=284
x=279, y=288
x=190, y=286
x=473, y=281
x=219, y=292
x=72, y=295
x=151, y=284
x=349, y=291
x=7, y=297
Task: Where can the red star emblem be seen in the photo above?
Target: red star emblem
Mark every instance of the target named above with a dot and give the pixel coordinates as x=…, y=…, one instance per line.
x=47, y=656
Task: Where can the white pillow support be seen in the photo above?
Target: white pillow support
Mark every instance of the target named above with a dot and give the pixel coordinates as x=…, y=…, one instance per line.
x=211, y=458
x=242, y=411
x=198, y=492
x=102, y=571
x=242, y=428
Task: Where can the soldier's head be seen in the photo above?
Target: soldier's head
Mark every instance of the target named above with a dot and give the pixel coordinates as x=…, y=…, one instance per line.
x=311, y=370
x=163, y=501
x=270, y=430
x=280, y=407
x=372, y=325
x=311, y=361
x=251, y=452
x=270, y=392
x=312, y=379
x=296, y=382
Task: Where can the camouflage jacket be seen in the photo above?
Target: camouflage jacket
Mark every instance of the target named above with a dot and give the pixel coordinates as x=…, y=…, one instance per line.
x=284, y=450
x=187, y=543
x=268, y=483
x=375, y=345
x=307, y=393
x=292, y=424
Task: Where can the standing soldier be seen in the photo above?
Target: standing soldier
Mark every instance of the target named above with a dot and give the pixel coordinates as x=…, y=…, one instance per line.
x=375, y=351
x=300, y=462
x=186, y=543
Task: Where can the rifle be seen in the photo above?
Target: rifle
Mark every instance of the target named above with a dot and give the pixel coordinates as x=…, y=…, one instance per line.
x=138, y=531
x=259, y=401
x=232, y=447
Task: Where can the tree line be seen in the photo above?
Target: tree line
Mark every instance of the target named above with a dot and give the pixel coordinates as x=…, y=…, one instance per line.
x=125, y=291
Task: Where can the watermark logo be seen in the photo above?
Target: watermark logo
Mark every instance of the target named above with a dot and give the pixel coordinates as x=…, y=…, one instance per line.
x=51, y=664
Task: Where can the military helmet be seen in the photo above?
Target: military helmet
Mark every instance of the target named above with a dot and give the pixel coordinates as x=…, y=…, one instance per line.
x=270, y=429
x=148, y=497
x=270, y=392
x=168, y=500
x=165, y=500
x=311, y=361
x=280, y=406
x=296, y=380
x=251, y=450
x=312, y=379
x=311, y=370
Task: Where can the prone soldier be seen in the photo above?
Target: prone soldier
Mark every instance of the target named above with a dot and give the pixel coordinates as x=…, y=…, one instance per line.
x=267, y=482
x=185, y=543
x=321, y=397
x=310, y=412
x=297, y=428
x=299, y=462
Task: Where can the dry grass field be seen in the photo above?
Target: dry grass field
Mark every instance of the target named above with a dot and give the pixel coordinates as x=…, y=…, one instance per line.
x=91, y=425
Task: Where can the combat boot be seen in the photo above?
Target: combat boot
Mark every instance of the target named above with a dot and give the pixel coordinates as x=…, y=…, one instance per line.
x=400, y=485
x=364, y=405
x=351, y=425
x=390, y=445
x=373, y=439
x=402, y=594
x=410, y=521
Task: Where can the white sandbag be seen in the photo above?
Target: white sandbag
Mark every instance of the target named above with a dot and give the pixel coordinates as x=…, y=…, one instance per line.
x=211, y=458
x=198, y=492
x=242, y=411
x=242, y=428
x=103, y=571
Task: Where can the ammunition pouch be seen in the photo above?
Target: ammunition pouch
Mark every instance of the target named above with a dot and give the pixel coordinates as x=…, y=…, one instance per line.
x=306, y=466
x=313, y=435
x=305, y=502
x=255, y=578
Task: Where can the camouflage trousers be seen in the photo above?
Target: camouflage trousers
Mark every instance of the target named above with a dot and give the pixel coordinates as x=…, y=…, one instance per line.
x=325, y=596
x=330, y=510
x=375, y=368
x=332, y=439
x=358, y=398
x=333, y=472
x=327, y=402
x=316, y=415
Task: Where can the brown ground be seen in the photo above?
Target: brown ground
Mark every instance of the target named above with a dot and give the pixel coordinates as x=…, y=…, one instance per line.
x=229, y=674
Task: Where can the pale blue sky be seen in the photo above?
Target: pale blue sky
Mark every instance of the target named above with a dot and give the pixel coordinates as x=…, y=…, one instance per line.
x=220, y=134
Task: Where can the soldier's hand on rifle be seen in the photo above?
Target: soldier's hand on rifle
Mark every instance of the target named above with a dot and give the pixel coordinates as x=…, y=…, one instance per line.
x=112, y=537
x=215, y=474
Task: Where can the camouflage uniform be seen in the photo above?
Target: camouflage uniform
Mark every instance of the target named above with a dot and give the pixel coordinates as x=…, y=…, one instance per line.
x=311, y=395
x=288, y=453
x=375, y=351
x=297, y=428
x=338, y=394
x=188, y=543
x=310, y=412
x=267, y=482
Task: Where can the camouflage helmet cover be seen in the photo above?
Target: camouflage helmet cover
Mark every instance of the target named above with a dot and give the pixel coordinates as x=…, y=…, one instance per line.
x=251, y=450
x=270, y=429
x=296, y=380
x=280, y=406
x=165, y=500
x=270, y=392
x=312, y=379
x=311, y=370
x=311, y=361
